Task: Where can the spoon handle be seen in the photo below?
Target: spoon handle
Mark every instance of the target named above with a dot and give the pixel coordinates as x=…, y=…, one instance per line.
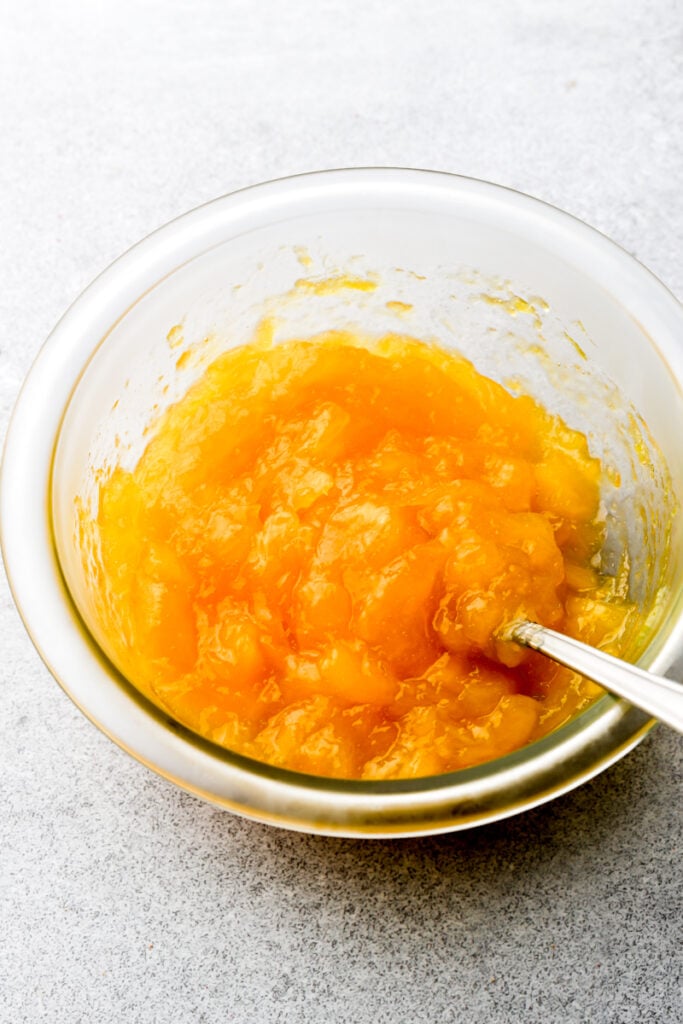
x=662, y=698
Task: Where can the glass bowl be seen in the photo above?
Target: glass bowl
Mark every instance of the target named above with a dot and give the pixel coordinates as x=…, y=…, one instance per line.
x=532, y=296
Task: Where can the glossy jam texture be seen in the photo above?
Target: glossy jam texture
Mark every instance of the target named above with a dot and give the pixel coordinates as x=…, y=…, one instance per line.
x=312, y=559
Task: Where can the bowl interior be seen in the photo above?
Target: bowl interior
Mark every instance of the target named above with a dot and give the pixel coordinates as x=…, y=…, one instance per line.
x=484, y=273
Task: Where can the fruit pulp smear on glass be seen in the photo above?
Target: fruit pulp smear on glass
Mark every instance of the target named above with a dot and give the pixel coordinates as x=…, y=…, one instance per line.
x=314, y=555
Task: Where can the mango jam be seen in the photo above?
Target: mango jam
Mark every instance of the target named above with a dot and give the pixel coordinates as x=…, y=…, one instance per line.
x=313, y=558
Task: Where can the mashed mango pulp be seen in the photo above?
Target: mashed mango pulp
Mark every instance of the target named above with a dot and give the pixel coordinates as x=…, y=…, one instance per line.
x=314, y=554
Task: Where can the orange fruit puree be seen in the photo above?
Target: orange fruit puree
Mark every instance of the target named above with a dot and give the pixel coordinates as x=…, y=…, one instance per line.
x=312, y=558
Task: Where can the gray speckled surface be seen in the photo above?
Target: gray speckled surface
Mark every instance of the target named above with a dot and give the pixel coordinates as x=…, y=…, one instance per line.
x=124, y=899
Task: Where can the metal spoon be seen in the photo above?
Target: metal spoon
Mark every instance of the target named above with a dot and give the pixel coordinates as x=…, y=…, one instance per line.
x=662, y=698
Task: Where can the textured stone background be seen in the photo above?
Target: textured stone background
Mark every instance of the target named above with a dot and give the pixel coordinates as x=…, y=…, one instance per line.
x=124, y=899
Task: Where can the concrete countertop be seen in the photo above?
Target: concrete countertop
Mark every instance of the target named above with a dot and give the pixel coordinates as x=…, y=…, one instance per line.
x=122, y=898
